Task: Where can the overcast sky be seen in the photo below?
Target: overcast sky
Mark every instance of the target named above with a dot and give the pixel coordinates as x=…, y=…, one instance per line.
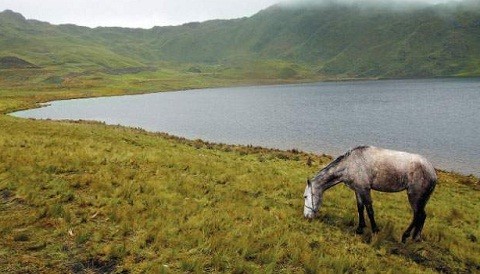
x=142, y=13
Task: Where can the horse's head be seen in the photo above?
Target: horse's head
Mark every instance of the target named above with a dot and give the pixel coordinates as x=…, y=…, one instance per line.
x=313, y=200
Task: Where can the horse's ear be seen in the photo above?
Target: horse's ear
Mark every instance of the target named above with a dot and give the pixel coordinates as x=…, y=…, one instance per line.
x=309, y=183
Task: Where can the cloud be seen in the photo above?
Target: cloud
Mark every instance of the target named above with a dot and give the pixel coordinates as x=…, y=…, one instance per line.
x=149, y=13
x=133, y=13
x=368, y=3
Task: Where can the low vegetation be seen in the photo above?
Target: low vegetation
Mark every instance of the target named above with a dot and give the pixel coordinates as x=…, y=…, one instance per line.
x=87, y=197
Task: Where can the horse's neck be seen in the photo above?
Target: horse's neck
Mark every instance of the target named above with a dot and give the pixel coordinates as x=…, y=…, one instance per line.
x=332, y=182
x=333, y=176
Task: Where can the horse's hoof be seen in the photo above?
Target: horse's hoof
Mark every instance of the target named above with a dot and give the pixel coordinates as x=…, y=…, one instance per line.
x=375, y=230
x=359, y=230
x=417, y=239
x=404, y=238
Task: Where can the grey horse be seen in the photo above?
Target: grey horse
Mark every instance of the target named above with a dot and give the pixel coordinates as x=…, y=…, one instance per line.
x=365, y=168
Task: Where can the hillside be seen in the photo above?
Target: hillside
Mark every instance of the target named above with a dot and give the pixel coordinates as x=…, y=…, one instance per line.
x=14, y=63
x=328, y=40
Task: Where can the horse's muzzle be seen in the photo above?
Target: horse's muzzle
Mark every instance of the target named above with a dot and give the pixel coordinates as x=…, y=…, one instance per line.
x=309, y=215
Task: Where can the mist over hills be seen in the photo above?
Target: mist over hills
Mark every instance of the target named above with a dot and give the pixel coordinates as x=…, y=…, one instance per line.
x=333, y=39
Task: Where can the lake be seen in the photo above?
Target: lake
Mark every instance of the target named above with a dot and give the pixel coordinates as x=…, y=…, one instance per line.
x=439, y=118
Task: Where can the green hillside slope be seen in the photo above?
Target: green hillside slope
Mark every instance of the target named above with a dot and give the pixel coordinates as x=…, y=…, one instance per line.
x=378, y=42
x=331, y=40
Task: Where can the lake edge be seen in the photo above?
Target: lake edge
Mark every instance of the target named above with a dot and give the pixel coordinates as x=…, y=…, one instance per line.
x=272, y=148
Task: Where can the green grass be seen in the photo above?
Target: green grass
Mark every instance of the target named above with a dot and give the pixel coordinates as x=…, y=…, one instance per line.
x=24, y=88
x=87, y=195
x=91, y=197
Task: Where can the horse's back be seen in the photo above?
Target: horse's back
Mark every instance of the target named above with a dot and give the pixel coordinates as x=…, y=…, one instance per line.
x=393, y=170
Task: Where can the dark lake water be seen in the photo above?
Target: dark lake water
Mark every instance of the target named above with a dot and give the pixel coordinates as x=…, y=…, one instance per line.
x=439, y=118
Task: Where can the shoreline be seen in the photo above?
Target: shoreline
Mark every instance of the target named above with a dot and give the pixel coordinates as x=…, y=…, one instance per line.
x=208, y=143
x=41, y=104
x=260, y=82
x=228, y=146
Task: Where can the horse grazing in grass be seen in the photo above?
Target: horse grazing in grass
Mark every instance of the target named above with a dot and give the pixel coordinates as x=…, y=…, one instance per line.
x=365, y=168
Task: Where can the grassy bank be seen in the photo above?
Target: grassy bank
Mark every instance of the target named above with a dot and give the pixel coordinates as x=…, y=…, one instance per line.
x=24, y=88
x=87, y=197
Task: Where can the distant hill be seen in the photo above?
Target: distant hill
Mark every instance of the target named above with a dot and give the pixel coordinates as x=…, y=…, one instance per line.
x=12, y=62
x=331, y=39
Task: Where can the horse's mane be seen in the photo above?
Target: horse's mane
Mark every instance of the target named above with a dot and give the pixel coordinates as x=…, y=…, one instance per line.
x=340, y=158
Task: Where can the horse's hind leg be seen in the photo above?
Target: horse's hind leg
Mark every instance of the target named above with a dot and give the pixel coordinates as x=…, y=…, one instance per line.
x=418, y=201
x=407, y=232
x=419, y=225
x=421, y=211
x=413, y=198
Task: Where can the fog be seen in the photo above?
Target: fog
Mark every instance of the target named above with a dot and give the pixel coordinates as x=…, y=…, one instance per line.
x=372, y=3
x=149, y=13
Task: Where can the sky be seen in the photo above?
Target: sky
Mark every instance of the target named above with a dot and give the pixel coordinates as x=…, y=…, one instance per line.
x=143, y=13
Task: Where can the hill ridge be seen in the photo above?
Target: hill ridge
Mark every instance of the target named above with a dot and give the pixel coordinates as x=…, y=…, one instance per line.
x=12, y=62
x=332, y=40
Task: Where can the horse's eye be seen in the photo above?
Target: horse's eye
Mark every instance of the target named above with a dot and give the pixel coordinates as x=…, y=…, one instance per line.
x=304, y=197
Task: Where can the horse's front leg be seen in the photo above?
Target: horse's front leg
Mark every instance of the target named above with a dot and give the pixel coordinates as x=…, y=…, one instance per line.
x=361, y=216
x=367, y=200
